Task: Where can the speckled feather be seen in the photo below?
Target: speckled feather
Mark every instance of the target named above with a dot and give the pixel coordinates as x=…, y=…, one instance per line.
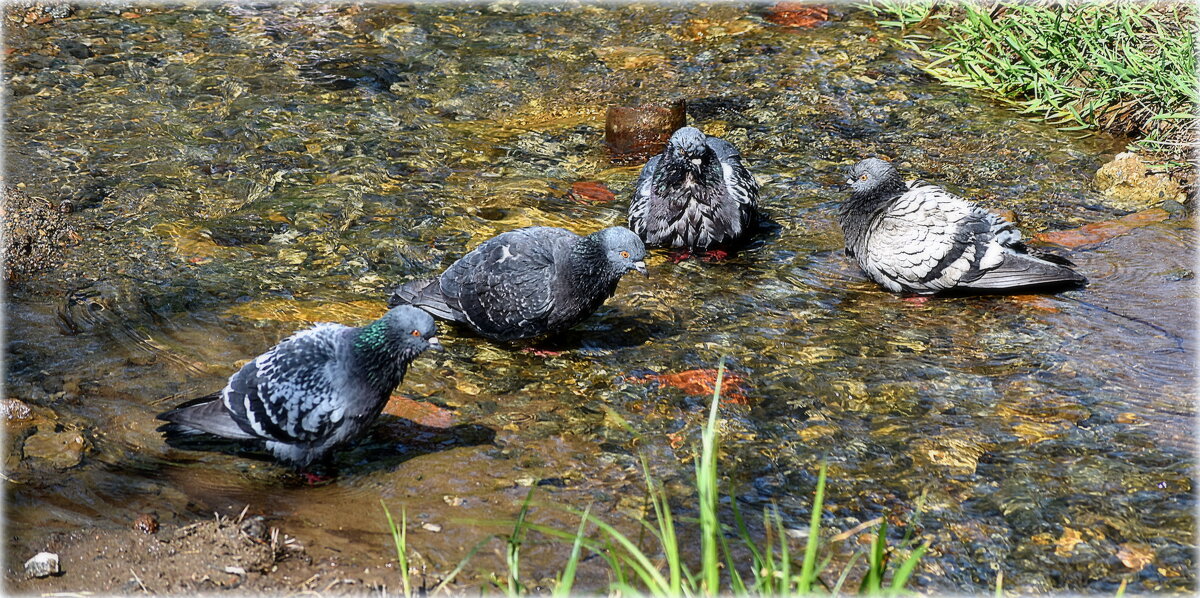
x=315, y=390
x=681, y=203
x=923, y=239
x=528, y=282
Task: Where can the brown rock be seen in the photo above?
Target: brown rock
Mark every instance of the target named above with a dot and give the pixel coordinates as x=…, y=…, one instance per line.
x=591, y=191
x=1127, y=183
x=1099, y=232
x=635, y=133
x=798, y=14
x=61, y=450
x=146, y=523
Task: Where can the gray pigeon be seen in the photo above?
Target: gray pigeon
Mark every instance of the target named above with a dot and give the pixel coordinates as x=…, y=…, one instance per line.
x=696, y=195
x=919, y=238
x=317, y=389
x=528, y=282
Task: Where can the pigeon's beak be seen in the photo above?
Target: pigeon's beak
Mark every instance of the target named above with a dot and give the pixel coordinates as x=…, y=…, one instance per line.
x=435, y=344
x=697, y=161
x=640, y=266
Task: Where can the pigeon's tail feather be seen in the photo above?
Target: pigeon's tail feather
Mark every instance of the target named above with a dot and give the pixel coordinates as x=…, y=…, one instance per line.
x=1023, y=270
x=205, y=415
x=426, y=294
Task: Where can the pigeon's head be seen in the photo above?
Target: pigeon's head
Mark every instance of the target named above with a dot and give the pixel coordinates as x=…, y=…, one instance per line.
x=624, y=250
x=872, y=175
x=689, y=144
x=405, y=330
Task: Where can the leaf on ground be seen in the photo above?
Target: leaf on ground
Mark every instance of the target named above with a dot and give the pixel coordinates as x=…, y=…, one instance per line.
x=1135, y=555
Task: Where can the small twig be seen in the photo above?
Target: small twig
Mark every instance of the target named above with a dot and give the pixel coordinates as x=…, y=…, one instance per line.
x=139, y=580
x=854, y=530
x=242, y=515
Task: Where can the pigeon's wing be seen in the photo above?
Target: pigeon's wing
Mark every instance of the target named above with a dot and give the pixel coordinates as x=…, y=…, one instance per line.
x=639, y=206
x=290, y=393
x=929, y=239
x=739, y=183
x=504, y=287
x=1017, y=266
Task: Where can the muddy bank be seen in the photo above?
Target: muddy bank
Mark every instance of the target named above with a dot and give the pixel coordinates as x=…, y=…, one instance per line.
x=35, y=233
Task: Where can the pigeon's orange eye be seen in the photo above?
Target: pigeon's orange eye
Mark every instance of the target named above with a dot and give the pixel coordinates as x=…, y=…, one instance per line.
x=416, y=333
x=862, y=178
x=624, y=254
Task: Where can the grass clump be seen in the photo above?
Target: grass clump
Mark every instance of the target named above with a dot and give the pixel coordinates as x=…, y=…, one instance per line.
x=654, y=563
x=1124, y=67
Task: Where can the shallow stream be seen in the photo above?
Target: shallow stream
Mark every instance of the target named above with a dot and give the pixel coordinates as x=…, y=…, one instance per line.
x=238, y=171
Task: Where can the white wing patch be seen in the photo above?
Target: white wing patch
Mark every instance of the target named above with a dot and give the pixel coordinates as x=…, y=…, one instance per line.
x=506, y=254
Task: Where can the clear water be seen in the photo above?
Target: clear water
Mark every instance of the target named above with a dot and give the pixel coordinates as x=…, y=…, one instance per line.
x=240, y=170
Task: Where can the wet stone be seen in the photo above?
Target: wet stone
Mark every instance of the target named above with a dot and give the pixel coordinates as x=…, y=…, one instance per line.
x=636, y=133
x=1127, y=183
x=146, y=523
x=15, y=410
x=61, y=450
x=43, y=564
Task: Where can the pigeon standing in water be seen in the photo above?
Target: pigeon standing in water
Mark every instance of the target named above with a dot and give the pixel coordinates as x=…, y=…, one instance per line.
x=921, y=239
x=316, y=390
x=528, y=282
x=695, y=196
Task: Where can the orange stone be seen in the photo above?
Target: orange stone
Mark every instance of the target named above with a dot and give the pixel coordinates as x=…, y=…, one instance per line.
x=591, y=191
x=419, y=412
x=701, y=382
x=797, y=14
x=1099, y=232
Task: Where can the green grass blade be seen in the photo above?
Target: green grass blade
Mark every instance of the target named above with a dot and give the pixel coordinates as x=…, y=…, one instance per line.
x=807, y=571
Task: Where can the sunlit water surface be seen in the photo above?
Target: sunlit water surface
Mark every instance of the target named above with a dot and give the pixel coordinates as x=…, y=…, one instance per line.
x=239, y=170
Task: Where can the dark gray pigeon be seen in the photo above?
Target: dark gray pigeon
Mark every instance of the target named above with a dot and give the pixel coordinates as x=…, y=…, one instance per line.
x=528, y=282
x=696, y=195
x=317, y=389
x=919, y=238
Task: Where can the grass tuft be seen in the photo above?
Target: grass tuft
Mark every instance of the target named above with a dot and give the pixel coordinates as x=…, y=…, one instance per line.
x=1124, y=67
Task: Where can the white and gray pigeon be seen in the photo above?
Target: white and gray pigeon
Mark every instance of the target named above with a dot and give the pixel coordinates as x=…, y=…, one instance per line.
x=696, y=195
x=919, y=238
x=316, y=390
x=528, y=282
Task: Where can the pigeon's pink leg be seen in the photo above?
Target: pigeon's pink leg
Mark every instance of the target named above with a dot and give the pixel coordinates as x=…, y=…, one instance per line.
x=916, y=299
x=679, y=255
x=315, y=479
x=715, y=255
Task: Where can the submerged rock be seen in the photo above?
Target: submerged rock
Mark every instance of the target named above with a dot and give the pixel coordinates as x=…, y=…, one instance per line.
x=1127, y=183
x=635, y=133
x=61, y=450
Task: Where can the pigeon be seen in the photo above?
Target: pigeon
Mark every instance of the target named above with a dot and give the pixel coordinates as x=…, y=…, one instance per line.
x=528, y=282
x=318, y=389
x=919, y=238
x=695, y=196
